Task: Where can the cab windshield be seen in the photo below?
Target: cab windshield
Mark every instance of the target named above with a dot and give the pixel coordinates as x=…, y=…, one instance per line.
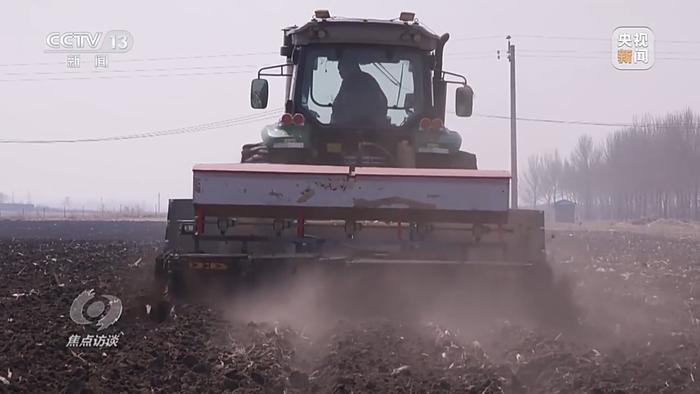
x=360, y=86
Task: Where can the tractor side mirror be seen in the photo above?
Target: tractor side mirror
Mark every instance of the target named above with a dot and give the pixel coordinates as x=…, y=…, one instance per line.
x=464, y=101
x=258, y=93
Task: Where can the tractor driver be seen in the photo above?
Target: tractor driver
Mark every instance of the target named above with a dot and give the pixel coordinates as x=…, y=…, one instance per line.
x=360, y=100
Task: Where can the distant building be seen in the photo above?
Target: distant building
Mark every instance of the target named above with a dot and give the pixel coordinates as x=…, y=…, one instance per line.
x=564, y=211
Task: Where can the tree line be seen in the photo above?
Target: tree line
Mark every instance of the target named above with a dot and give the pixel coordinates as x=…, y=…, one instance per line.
x=648, y=170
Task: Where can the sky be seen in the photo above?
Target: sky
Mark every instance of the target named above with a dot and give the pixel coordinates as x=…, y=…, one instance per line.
x=192, y=62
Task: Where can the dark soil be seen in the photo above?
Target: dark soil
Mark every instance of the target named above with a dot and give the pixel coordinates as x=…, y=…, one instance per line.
x=637, y=333
x=123, y=230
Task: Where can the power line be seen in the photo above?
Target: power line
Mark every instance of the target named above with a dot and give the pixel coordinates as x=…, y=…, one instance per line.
x=127, y=76
x=679, y=58
x=105, y=75
x=606, y=52
x=110, y=71
x=579, y=38
x=166, y=58
x=241, y=120
x=527, y=55
x=480, y=52
x=560, y=121
x=266, y=53
x=226, y=55
x=570, y=54
x=546, y=56
x=271, y=114
x=457, y=58
x=694, y=42
x=566, y=50
x=149, y=59
x=491, y=37
x=568, y=38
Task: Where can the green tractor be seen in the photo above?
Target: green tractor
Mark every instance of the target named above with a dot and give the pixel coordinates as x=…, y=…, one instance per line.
x=359, y=183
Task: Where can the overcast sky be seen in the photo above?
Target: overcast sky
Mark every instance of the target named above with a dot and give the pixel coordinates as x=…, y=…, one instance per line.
x=186, y=68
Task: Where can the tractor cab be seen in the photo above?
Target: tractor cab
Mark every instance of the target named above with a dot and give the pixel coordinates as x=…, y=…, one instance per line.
x=362, y=92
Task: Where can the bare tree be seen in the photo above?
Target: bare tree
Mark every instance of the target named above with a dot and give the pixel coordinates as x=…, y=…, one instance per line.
x=581, y=163
x=533, y=179
x=551, y=180
x=651, y=169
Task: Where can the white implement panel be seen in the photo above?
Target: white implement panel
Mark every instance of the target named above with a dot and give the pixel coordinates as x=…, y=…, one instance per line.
x=280, y=185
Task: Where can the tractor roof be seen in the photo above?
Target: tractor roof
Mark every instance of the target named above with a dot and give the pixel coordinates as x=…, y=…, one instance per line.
x=335, y=30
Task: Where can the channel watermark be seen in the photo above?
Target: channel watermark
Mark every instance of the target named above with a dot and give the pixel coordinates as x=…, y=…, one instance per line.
x=98, y=311
x=113, y=41
x=100, y=45
x=98, y=341
x=633, y=48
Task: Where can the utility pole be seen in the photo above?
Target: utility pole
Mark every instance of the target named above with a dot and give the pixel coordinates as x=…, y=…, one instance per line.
x=513, y=134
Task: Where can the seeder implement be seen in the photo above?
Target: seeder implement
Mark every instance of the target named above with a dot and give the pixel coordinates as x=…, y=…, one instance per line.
x=253, y=218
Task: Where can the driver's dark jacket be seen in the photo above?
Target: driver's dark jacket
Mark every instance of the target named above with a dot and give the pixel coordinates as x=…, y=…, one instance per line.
x=360, y=101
